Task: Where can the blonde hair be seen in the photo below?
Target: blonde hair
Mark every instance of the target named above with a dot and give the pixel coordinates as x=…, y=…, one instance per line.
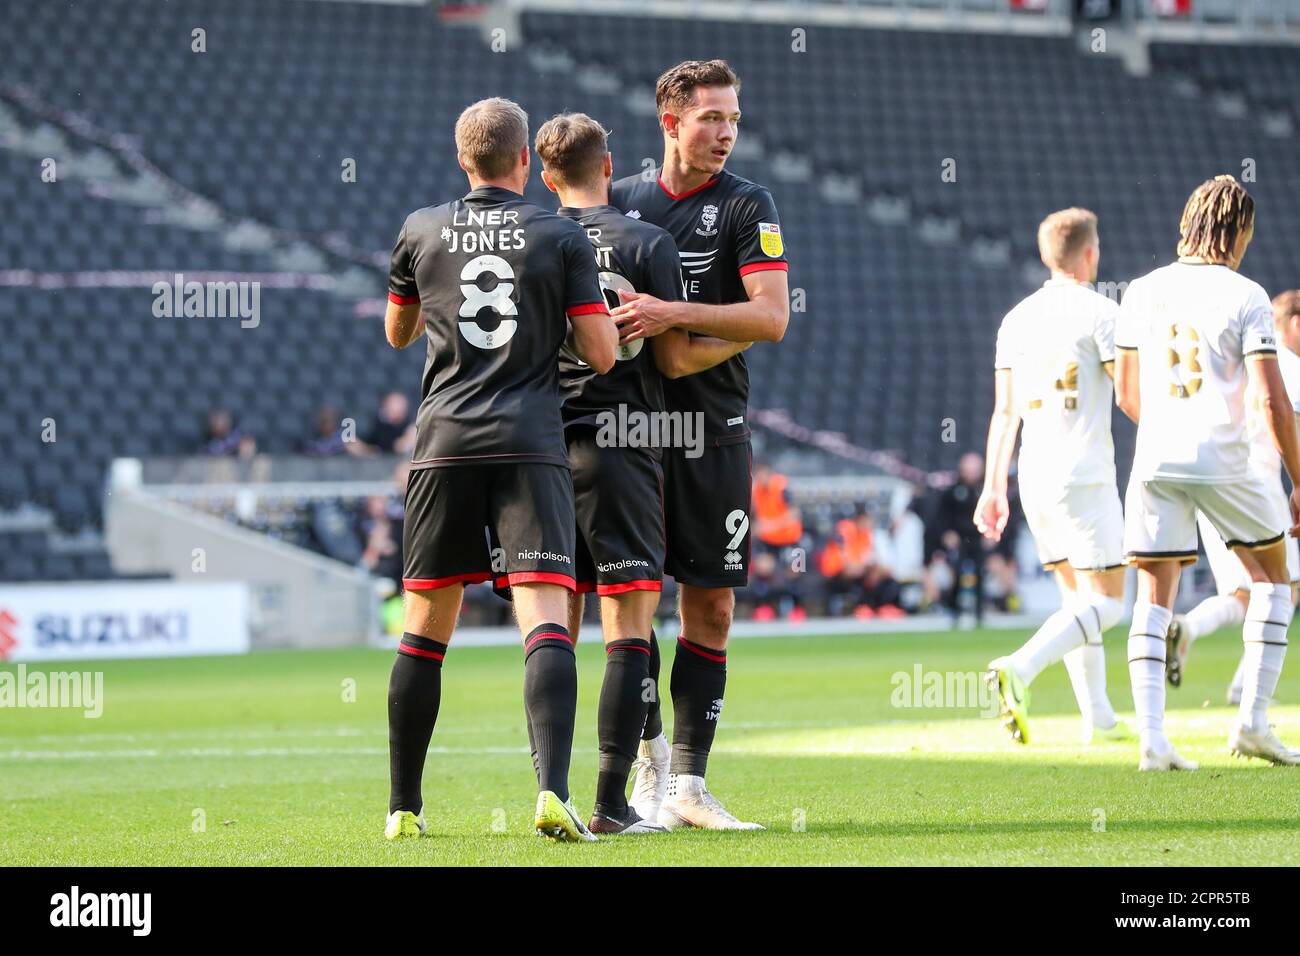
x=1217, y=213
x=1064, y=234
x=1285, y=306
x=572, y=147
x=490, y=135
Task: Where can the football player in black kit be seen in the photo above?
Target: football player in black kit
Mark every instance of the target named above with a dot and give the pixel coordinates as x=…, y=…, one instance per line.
x=615, y=455
x=495, y=284
x=734, y=266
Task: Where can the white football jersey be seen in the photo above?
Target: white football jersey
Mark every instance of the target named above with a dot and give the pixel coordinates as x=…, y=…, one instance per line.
x=1192, y=326
x=1264, y=459
x=1055, y=342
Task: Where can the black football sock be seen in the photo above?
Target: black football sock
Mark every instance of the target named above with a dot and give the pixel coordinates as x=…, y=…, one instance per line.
x=414, y=693
x=654, y=721
x=698, y=680
x=550, y=702
x=620, y=719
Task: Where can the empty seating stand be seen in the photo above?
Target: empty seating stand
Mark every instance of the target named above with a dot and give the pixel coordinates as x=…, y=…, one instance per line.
x=896, y=336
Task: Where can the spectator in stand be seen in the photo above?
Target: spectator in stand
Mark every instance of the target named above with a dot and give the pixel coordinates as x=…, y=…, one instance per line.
x=960, y=539
x=777, y=523
x=382, y=555
x=853, y=562
x=870, y=552
x=393, y=432
x=773, y=589
x=224, y=440
x=881, y=594
x=909, y=544
x=329, y=436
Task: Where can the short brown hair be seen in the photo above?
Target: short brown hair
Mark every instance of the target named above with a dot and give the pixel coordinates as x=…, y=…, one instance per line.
x=1285, y=305
x=675, y=90
x=1217, y=212
x=490, y=135
x=1066, y=233
x=572, y=147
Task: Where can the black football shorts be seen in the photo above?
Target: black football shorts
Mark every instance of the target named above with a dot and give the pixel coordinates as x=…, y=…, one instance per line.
x=618, y=499
x=527, y=508
x=707, y=502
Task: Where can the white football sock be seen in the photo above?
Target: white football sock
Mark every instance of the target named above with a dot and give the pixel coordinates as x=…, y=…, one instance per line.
x=1264, y=634
x=1057, y=636
x=1221, y=610
x=1086, y=664
x=1146, y=669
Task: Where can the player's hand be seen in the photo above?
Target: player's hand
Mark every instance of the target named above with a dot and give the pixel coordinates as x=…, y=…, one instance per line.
x=1294, y=502
x=991, y=515
x=640, y=316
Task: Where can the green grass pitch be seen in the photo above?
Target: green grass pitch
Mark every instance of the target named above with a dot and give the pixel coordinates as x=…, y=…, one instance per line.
x=260, y=760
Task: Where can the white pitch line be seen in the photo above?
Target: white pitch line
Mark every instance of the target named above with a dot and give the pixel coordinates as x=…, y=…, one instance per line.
x=341, y=732
x=151, y=753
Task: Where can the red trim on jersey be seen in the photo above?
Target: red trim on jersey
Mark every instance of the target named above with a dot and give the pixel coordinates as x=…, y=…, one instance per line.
x=536, y=577
x=696, y=650
x=419, y=652
x=432, y=584
x=546, y=634
x=584, y=587
x=764, y=267
x=396, y=299
x=590, y=308
x=690, y=192
x=624, y=586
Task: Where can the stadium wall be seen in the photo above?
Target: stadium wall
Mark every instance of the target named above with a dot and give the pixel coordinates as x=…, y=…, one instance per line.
x=296, y=598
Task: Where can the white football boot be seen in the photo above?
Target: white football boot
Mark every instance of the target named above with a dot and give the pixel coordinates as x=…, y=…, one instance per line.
x=1244, y=742
x=1167, y=759
x=688, y=803
x=651, y=783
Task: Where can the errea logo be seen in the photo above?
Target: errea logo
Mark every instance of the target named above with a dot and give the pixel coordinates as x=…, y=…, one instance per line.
x=633, y=214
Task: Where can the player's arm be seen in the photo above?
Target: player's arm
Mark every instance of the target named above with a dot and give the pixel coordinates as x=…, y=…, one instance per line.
x=1266, y=380
x=762, y=318
x=1109, y=369
x=992, y=510
x=765, y=313
x=676, y=351
x=595, y=339
x=594, y=336
x=1126, y=332
x=402, y=324
x=1128, y=395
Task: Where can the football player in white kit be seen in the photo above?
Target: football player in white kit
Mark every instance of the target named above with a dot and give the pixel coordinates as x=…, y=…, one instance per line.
x=1054, y=364
x=1190, y=337
x=1228, y=607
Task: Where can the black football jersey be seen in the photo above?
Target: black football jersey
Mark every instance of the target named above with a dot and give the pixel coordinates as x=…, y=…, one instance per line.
x=636, y=257
x=497, y=278
x=724, y=230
